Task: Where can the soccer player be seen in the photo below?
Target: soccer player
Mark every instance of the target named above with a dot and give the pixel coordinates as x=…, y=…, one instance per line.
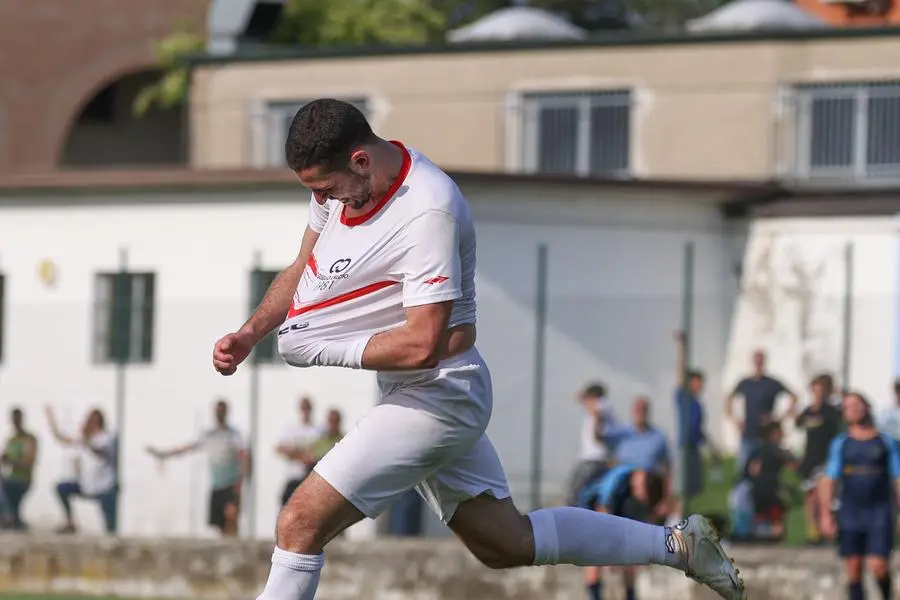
x=385, y=281
x=628, y=492
x=867, y=465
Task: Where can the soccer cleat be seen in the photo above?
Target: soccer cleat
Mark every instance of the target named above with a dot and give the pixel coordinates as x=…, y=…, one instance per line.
x=707, y=562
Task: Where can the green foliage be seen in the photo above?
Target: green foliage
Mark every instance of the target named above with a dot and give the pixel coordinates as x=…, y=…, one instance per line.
x=172, y=87
x=359, y=22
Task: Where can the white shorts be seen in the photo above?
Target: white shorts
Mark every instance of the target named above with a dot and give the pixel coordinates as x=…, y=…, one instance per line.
x=428, y=434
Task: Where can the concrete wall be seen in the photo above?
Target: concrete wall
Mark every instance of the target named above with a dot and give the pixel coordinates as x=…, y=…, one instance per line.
x=792, y=303
x=615, y=265
x=721, y=98
x=400, y=570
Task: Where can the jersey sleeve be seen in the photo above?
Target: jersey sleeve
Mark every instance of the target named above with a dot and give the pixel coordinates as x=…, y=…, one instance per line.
x=834, y=466
x=318, y=214
x=430, y=265
x=893, y=455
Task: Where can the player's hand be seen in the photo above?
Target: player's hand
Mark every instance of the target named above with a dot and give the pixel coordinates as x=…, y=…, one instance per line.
x=230, y=351
x=828, y=526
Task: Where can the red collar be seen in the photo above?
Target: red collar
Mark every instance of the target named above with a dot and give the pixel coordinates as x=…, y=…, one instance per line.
x=398, y=181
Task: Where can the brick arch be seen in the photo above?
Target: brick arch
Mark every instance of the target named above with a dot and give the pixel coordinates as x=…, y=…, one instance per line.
x=81, y=86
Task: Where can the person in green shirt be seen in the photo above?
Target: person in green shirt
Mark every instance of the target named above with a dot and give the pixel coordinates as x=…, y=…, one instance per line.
x=17, y=462
x=330, y=437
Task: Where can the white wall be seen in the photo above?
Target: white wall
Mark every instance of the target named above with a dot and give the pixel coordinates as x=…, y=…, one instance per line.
x=792, y=303
x=615, y=269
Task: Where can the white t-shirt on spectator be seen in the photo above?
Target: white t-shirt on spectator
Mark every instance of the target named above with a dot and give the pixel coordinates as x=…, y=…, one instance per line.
x=298, y=437
x=98, y=473
x=592, y=449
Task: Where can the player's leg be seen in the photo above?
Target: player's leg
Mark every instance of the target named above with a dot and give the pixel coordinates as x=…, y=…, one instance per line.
x=593, y=582
x=851, y=548
x=389, y=451
x=880, y=544
x=476, y=505
x=629, y=576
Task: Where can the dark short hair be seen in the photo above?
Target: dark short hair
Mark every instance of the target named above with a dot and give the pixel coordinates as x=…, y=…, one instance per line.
x=17, y=413
x=695, y=374
x=324, y=133
x=823, y=379
x=655, y=488
x=594, y=390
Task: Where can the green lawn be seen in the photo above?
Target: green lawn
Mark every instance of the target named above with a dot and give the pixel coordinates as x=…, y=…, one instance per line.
x=714, y=500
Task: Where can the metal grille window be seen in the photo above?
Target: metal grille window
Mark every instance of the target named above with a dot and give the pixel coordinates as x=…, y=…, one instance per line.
x=278, y=118
x=581, y=133
x=266, y=351
x=849, y=130
x=123, y=317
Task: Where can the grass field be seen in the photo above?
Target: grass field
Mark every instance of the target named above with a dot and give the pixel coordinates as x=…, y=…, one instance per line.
x=714, y=500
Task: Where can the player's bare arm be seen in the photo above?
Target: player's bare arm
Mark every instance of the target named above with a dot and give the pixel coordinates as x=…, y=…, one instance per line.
x=233, y=349
x=419, y=344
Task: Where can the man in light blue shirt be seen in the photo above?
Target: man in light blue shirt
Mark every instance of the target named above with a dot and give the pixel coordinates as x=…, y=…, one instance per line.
x=640, y=444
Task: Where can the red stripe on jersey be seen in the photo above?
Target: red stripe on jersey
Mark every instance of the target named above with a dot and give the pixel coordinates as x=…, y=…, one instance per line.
x=352, y=295
x=398, y=181
x=312, y=264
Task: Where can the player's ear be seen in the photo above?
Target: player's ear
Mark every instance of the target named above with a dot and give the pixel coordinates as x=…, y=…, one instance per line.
x=360, y=161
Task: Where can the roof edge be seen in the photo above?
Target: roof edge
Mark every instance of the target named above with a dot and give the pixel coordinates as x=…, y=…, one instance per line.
x=139, y=181
x=614, y=39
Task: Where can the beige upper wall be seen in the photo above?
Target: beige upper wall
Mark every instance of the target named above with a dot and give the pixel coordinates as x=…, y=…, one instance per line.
x=705, y=110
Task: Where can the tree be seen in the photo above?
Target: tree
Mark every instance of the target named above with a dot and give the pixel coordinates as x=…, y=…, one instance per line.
x=326, y=23
x=172, y=87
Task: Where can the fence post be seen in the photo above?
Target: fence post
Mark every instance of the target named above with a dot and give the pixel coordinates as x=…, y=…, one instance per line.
x=120, y=392
x=537, y=421
x=687, y=309
x=254, y=409
x=848, y=316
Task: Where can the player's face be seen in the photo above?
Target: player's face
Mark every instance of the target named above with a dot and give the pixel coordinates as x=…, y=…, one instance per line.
x=352, y=186
x=854, y=409
x=818, y=393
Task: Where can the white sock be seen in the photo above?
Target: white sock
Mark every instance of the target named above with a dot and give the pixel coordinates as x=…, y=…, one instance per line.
x=293, y=576
x=585, y=538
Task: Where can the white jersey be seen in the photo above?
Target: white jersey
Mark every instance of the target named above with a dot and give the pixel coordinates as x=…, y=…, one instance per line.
x=415, y=247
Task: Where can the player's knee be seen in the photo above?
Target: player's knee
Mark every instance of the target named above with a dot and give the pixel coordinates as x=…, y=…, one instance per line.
x=878, y=567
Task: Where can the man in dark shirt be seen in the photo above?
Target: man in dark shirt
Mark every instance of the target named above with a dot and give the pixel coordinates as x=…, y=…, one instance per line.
x=822, y=422
x=760, y=392
x=867, y=465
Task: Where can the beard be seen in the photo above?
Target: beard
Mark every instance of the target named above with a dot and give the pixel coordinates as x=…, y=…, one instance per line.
x=361, y=195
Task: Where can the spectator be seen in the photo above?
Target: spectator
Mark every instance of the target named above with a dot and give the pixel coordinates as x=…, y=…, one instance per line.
x=295, y=446
x=229, y=465
x=765, y=466
x=760, y=393
x=866, y=463
x=331, y=436
x=822, y=422
x=593, y=453
x=18, y=457
x=97, y=476
x=691, y=432
x=628, y=492
x=889, y=421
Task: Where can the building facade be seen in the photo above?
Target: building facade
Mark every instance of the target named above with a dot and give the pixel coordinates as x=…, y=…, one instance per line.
x=810, y=105
x=613, y=288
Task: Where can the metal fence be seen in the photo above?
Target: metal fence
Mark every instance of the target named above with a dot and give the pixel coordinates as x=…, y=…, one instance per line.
x=551, y=320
